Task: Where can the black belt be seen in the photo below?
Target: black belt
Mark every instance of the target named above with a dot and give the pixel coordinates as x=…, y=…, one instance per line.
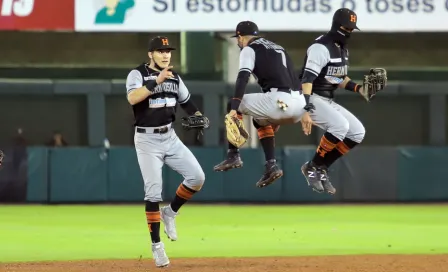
x=285, y=90
x=327, y=94
x=161, y=130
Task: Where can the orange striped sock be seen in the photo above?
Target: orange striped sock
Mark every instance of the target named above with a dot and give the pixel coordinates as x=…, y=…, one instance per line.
x=267, y=140
x=327, y=143
x=340, y=150
x=153, y=220
x=183, y=194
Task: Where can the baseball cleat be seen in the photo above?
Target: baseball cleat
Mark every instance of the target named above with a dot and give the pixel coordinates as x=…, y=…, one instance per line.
x=312, y=175
x=159, y=255
x=325, y=180
x=168, y=217
x=271, y=174
x=233, y=161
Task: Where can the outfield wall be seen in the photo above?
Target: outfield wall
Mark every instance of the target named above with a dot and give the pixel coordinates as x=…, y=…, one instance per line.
x=71, y=175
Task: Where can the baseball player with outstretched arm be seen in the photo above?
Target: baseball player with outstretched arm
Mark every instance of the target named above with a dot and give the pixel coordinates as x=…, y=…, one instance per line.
x=154, y=91
x=325, y=70
x=279, y=103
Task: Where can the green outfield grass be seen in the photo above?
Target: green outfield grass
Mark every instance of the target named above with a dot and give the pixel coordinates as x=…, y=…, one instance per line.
x=29, y=233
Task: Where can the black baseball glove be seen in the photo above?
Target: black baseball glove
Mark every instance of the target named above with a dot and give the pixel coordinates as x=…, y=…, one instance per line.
x=374, y=82
x=196, y=121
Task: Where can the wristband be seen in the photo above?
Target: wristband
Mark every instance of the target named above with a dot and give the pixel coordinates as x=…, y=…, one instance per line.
x=235, y=103
x=307, y=98
x=151, y=85
x=352, y=86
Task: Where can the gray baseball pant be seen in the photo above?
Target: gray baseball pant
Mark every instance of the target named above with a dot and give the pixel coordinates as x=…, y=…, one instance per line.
x=335, y=119
x=265, y=110
x=154, y=150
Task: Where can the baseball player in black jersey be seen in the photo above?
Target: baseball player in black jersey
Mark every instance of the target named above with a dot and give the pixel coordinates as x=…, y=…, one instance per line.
x=154, y=91
x=325, y=70
x=272, y=67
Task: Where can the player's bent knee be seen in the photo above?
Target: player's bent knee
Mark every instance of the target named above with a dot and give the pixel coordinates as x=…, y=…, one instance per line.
x=196, y=182
x=359, y=135
x=340, y=129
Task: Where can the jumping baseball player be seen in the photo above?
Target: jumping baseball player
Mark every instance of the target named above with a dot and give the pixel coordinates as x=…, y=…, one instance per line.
x=279, y=102
x=154, y=91
x=325, y=70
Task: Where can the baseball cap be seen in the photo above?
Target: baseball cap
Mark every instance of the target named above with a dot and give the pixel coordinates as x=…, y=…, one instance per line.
x=160, y=43
x=246, y=28
x=346, y=18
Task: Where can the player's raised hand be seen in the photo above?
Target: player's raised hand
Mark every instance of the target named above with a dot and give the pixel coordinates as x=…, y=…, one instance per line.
x=307, y=123
x=164, y=74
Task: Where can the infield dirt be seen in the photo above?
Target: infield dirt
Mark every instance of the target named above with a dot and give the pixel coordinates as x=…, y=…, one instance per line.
x=354, y=263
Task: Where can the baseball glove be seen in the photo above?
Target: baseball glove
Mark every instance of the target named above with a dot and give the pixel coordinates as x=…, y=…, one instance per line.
x=236, y=133
x=374, y=82
x=197, y=121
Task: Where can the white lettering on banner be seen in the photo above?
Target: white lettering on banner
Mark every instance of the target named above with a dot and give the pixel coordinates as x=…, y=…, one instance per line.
x=21, y=8
x=270, y=15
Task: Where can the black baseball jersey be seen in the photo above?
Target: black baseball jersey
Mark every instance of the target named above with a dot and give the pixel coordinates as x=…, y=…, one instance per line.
x=160, y=107
x=329, y=62
x=270, y=64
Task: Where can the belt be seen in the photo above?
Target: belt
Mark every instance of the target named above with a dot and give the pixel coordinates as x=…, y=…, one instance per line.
x=161, y=130
x=285, y=90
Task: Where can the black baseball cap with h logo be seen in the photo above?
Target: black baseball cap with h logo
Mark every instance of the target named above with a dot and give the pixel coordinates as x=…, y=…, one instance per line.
x=346, y=18
x=160, y=43
x=246, y=28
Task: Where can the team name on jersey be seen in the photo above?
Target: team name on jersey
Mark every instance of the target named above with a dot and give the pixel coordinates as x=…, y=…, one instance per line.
x=337, y=70
x=166, y=87
x=335, y=74
x=268, y=44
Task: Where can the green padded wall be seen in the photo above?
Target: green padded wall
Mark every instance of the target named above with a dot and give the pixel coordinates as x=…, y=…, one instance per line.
x=77, y=175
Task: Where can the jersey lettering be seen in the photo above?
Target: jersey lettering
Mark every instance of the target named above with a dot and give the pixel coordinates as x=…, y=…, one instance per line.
x=20, y=8
x=160, y=107
x=166, y=87
x=334, y=80
x=273, y=67
x=330, y=64
x=150, y=77
x=283, y=57
x=337, y=70
x=268, y=44
x=162, y=102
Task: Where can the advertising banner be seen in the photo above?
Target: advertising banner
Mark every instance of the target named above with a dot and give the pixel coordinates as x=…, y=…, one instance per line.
x=37, y=14
x=270, y=15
